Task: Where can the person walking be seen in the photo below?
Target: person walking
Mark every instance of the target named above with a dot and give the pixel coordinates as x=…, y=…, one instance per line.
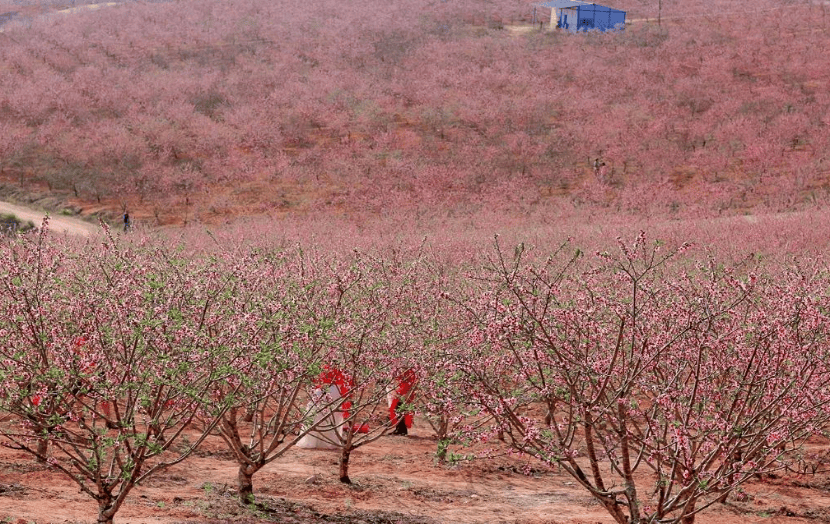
x=126, y=221
x=599, y=170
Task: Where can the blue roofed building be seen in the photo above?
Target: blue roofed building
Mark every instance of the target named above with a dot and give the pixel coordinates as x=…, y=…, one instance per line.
x=575, y=16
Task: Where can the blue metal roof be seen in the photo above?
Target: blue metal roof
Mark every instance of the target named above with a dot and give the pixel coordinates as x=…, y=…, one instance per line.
x=565, y=4
x=559, y=4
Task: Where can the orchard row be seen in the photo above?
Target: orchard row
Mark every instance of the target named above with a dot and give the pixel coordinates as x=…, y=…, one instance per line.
x=642, y=358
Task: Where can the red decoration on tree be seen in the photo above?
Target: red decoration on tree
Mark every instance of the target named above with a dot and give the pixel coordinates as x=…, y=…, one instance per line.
x=403, y=395
x=344, y=383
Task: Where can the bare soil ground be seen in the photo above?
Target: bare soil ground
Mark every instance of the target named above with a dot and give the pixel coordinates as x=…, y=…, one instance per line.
x=396, y=480
x=57, y=223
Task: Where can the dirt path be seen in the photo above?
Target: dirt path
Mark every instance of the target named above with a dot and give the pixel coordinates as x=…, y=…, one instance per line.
x=396, y=480
x=30, y=12
x=88, y=7
x=57, y=223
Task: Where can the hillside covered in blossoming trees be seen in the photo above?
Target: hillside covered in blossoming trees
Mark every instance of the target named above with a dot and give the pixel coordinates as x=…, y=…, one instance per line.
x=210, y=109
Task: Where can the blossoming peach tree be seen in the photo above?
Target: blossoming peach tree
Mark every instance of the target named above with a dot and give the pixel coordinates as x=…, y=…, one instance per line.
x=371, y=343
x=108, y=353
x=279, y=322
x=442, y=398
x=660, y=385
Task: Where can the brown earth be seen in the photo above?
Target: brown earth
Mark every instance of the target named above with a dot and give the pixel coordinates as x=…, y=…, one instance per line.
x=57, y=223
x=396, y=479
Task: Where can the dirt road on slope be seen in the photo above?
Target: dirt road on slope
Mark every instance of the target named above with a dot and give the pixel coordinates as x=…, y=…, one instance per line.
x=57, y=223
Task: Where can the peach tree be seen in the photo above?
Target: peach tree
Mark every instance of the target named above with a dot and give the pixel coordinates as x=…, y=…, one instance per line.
x=108, y=353
x=659, y=384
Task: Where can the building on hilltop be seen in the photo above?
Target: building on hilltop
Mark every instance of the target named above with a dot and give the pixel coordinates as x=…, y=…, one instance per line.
x=575, y=16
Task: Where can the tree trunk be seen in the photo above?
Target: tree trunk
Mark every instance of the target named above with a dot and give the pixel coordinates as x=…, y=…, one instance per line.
x=106, y=510
x=245, y=486
x=444, y=425
x=688, y=516
x=344, y=465
x=443, y=441
x=43, y=450
x=630, y=489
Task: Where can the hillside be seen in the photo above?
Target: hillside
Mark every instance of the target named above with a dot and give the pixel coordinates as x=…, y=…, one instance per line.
x=204, y=111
